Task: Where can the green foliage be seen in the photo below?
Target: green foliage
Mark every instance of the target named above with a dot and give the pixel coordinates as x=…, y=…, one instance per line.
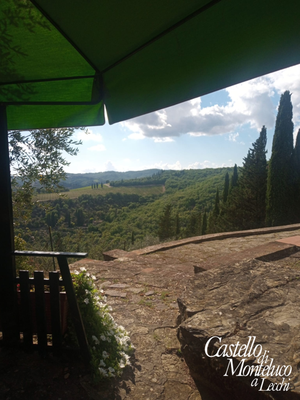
x=109, y=343
x=234, y=178
x=217, y=204
x=245, y=206
x=296, y=178
x=79, y=217
x=204, y=225
x=22, y=263
x=110, y=218
x=280, y=166
x=51, y=218
x=165, y=224
x=226, y=188
x=74, y=181
x=37, y=155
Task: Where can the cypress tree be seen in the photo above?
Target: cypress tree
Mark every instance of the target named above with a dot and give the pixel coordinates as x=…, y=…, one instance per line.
x=165, y=224
x=204, y=224
x=246, y=203
x=234, y=178
x=217, y=204
x=226, y=188
x=279, y=184
x=192, y=224
x=177, y=233
x=296, y=180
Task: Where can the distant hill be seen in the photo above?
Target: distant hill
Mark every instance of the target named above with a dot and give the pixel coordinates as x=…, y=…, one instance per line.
x=74, y=181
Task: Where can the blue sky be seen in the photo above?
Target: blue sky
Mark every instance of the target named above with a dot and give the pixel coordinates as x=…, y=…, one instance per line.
x=208, y=132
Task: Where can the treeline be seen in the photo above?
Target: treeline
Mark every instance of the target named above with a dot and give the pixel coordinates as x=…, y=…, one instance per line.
x=155, y=179
x=265, y=193
x=95, y=224
x=74, y=181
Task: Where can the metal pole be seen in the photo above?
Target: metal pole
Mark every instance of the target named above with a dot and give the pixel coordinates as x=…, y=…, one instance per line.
x=51, y=244
x=8, y=293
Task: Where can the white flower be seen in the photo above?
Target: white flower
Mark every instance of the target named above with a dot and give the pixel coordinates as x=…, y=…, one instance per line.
x=103, y=371
x=108, y=339
x=102, y=363
x=82, y=269
x=94, y=278
x=102, y=337
x=110, y=369
x=105, y=355
x=87, y=291
x=87, y=274
x=95, y=339
x=109, y=308
x=86, y=301
x=101, y=291
x=76, y=272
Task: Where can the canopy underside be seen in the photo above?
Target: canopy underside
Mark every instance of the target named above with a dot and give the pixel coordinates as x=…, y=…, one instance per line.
x=63, y=61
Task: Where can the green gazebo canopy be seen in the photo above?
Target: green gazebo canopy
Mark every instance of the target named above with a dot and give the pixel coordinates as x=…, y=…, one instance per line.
x=62, y=61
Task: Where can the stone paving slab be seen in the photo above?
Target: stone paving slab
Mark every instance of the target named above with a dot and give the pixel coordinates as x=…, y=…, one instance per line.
x=158, y=370
x=291, y=240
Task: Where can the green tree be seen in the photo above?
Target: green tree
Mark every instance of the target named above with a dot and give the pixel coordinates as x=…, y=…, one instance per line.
x=68, y=218
x=192, y=226
x=246, y=205
x=279, y=182
x=79, y=217
x=165, y=226
x=204, y=225
x=234, y=178
x=226, y=188
x=37, y=159
x=216, y=211
x=296, y=177
x=177, y=230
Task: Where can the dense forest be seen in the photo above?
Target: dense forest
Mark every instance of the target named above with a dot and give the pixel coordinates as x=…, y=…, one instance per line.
x=192, y=202
x=100, y=222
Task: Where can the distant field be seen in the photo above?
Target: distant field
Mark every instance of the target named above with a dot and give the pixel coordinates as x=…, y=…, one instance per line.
x=74, y=193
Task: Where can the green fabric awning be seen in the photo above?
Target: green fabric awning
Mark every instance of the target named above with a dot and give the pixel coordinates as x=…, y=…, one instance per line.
x=62, y=61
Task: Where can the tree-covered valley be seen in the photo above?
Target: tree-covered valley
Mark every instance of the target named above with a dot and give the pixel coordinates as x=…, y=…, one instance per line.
x=100, y=222
x=138, y=210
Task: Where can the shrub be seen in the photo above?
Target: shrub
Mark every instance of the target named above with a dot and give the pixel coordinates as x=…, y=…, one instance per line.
x=109, y=343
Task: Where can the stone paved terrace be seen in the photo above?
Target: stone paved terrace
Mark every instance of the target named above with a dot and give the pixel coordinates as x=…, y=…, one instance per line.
x=143, y=286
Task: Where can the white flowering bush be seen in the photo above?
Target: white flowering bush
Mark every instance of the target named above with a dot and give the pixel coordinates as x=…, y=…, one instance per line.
x=110, y=345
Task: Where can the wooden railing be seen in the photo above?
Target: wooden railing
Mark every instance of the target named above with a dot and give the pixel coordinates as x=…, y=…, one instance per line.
x=54, y=282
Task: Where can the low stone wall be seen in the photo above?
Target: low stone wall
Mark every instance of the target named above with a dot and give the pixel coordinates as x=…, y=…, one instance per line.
x=115, y=254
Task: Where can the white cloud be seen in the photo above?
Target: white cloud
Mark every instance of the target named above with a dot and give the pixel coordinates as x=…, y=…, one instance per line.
x=109, y=166
x=162, y=165
x=89, y=136
x=136, y=136
x=98, y=147
x=209, y=164
x=233, y=136
x=163, y=140
x=250, y=103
